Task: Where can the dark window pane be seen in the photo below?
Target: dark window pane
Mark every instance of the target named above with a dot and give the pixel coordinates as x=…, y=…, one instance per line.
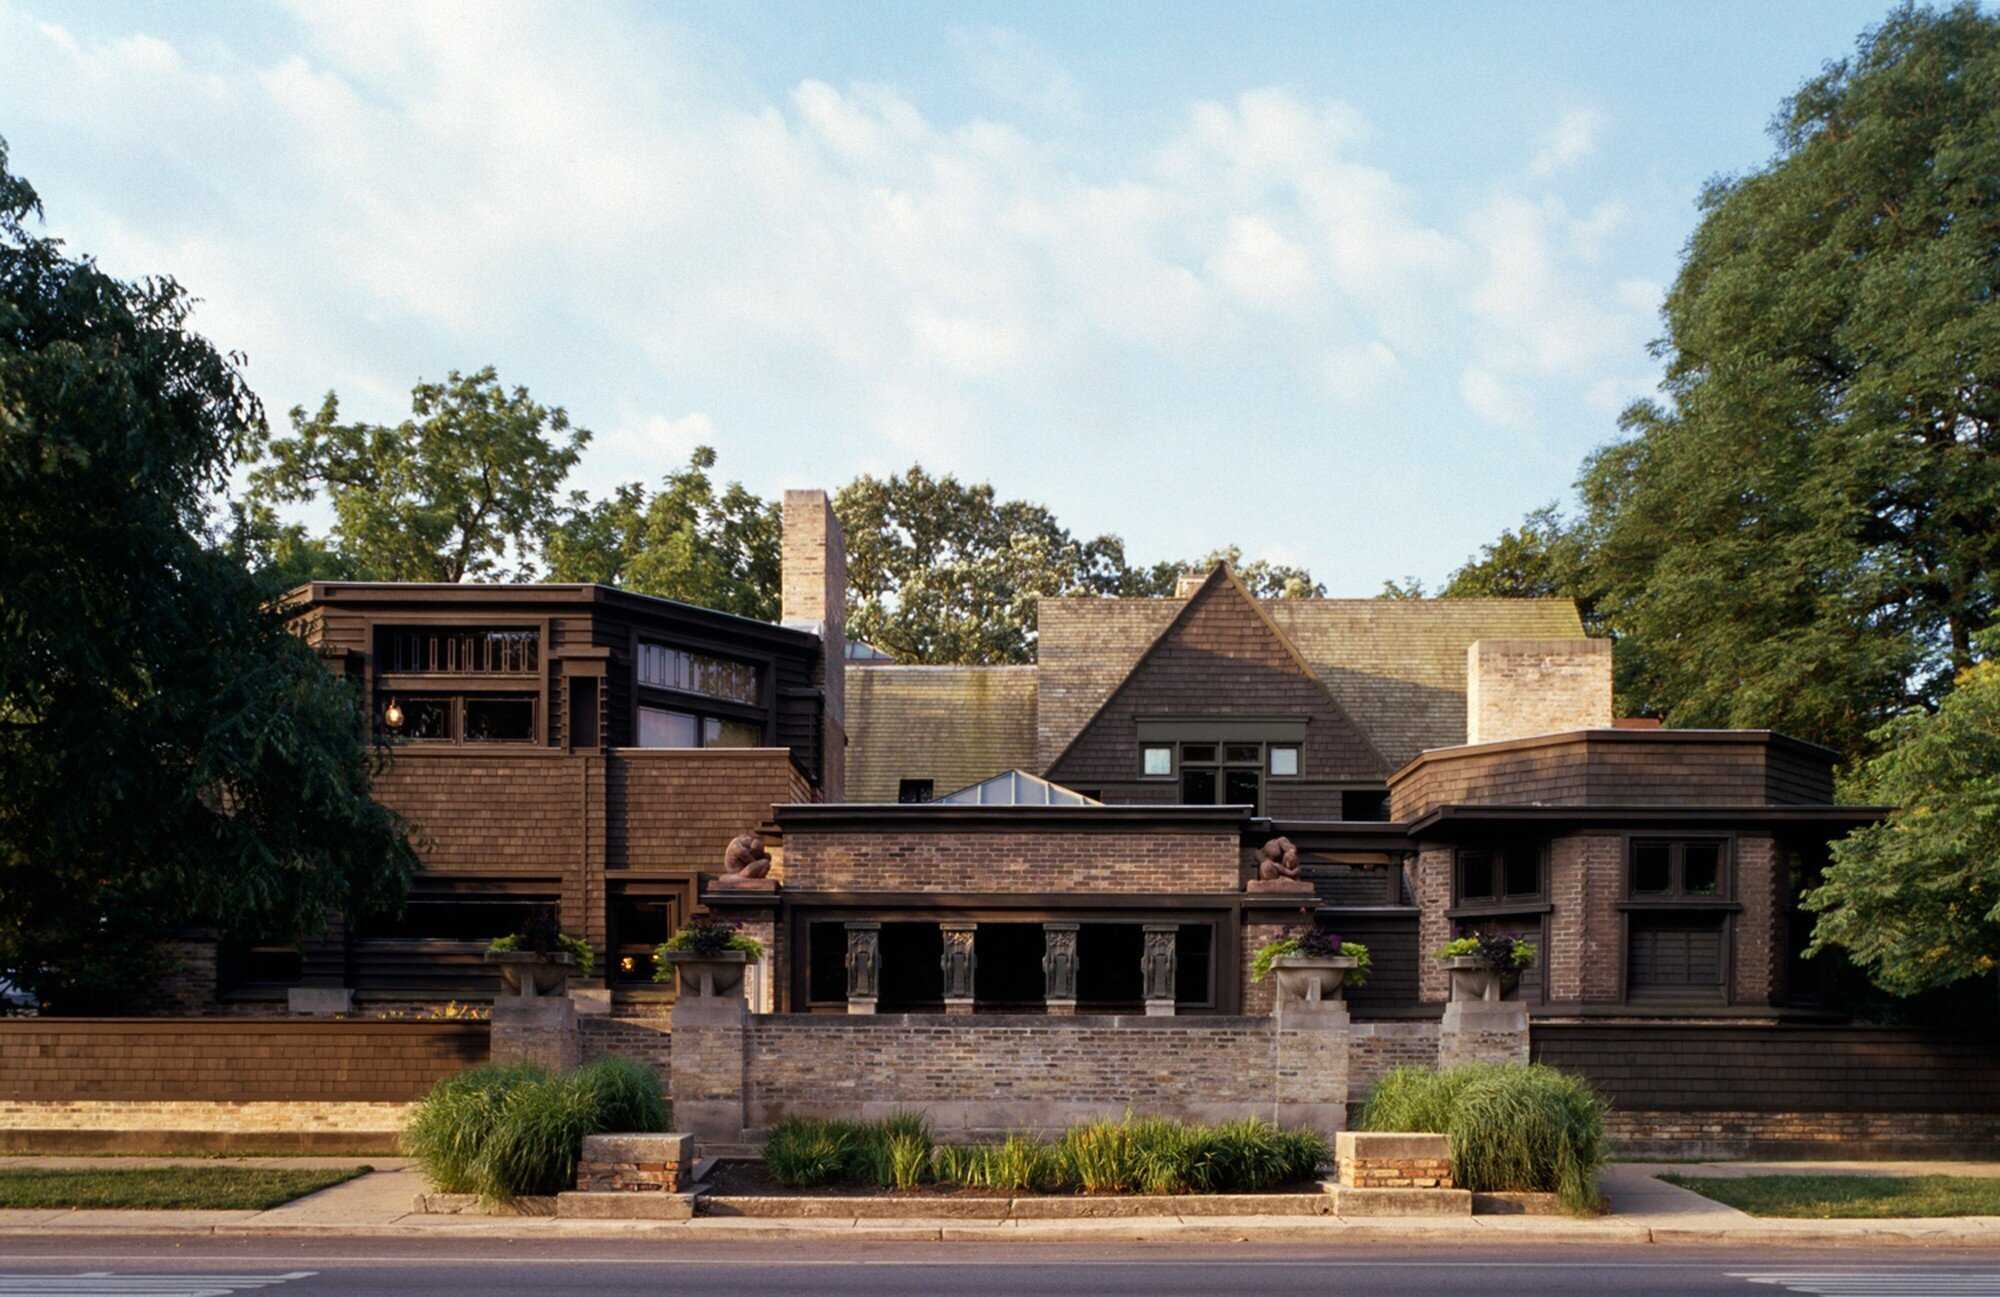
x=1524, y=871
x=417, y=718
x=1475, y=876
x=826, y=980
x=913, y=790
x=1198, y=787
x=912, y=981
x=638, y=925
x=1203, y=752
x=1009, y=966
x=1241, y=754
x=1652, y=868
x=720, y=732
x=659, y=728
x=699, y=673
x=457, y=918
x=1364, y=804
x=1701, y=868
x=1240, y=787
x=499, y=720
x=1108, y=956
x=1194, y=947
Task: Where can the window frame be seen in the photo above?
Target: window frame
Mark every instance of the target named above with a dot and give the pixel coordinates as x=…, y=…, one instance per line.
x=1500, y=901
x=1179, y=763
x=455, y=717
x=1676, y=896
x=906, y=785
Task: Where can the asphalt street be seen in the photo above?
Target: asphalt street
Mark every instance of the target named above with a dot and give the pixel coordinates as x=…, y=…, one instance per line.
x=74, y=1266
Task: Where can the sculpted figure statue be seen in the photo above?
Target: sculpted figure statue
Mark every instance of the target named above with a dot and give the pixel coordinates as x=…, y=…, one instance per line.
x=1278, y=858
x=745, y=857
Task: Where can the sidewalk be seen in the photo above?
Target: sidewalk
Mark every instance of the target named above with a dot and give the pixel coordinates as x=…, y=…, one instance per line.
x=1643, y=1210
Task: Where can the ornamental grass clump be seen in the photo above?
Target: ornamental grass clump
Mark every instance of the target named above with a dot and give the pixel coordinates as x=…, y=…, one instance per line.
x=1512, y=1126
x=505, y=1132
x=806, y=1152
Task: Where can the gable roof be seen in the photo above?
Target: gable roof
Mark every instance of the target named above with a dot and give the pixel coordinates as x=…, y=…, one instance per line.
x=951, y=725
x=1222, y=584
x=1396, y=667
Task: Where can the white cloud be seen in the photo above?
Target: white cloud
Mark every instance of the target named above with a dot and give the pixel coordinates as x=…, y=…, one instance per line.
x=1572, y=139
x=1018, y=72
x=1494, y=400
x=1356, y=374
x=1259, y=264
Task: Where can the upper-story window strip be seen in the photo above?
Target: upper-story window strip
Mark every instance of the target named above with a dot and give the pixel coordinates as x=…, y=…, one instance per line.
x=700, y=673
x=461, y=650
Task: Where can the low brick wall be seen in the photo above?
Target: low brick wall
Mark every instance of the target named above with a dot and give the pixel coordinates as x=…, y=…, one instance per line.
x=1641, y=1134
x=650, y=1040
x=1379, y=1048
x=235, y=1059
x=997, y=1073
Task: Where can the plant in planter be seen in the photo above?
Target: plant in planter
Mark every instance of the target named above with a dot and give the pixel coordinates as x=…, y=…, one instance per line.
x=1485, y=965
x=539, y=959
x=1314, y=965
x=707, y=955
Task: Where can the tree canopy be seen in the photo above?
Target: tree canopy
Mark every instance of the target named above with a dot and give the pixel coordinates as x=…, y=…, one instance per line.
x=470, y=482
x=169, y=753
x=1915, y=900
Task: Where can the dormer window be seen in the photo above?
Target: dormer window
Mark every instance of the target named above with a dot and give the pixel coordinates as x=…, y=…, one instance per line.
x=688, y=672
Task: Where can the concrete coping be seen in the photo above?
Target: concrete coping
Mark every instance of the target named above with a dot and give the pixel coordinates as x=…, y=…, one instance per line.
x=1353, y=1145
x=1015, y=1021
x=650, y=1148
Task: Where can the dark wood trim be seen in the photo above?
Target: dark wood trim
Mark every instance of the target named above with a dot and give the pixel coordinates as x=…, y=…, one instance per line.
x=1446, y=821
x=1049, y=901
x=871, y=817
x=1499, y=910
x=1689, y=738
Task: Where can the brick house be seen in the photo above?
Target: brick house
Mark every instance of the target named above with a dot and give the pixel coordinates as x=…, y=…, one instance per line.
x=1076, y=836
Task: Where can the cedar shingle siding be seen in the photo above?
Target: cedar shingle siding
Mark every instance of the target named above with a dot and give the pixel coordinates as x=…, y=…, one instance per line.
x=951, y=725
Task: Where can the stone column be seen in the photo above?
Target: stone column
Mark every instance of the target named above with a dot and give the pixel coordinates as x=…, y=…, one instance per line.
x=864, y=966
x=540, y=1030
x=959, y=964
x=1156, y=969
x=707, y=1078
x=1482, y=1031
x=1059, y=967
x=1311, y=1064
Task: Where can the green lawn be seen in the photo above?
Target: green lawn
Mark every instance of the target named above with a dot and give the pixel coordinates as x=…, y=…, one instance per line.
x=1827, y=1197
x=168, y=1188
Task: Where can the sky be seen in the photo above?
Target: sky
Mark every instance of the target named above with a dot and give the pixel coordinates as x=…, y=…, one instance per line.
x=1348, y=285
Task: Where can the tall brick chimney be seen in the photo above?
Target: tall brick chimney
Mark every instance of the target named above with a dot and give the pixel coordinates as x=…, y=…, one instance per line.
x=813, y=596
x=1518, y=688
x=1187, y=583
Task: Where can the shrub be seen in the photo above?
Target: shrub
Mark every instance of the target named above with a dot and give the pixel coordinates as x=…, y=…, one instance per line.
x=1024, y=1164
x=805, y=1152
x=909, y=1156
x=448, y=1131
x=1512, y=1126
x=1315, y=942
x=705, y=934
x=1101, y=1157
x=961, y=1165
x=542, y=936
x=1497, y=950
x=505, y=1132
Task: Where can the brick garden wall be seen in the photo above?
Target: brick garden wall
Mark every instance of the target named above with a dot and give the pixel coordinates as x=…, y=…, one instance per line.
x=650, y=1040
x=1378, y=1048
x=1000, y=1073
x=970, y=861
x=1800, y=1134
x=231, y=1059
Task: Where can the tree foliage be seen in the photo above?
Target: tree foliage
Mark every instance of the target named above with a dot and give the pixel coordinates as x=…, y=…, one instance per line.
x=687, y=541
x=1915, y=900
x=169, y=753
x=451, y=494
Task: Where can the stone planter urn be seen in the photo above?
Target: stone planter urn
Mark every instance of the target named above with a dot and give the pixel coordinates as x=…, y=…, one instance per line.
x=1473, y=979
x=708, y=977
x=532, y=973
x=1313, y=979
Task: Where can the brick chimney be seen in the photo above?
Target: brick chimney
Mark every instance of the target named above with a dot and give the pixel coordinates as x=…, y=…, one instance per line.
x=1187, y=583
x=813, y=597
x=1518, y=688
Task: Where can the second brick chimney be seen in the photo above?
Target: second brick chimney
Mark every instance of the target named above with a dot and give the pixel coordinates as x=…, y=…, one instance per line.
x=1519, y=688
x=813, y=597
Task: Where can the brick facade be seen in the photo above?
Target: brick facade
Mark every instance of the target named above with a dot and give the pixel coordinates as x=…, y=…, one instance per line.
x=649, y=1040
x=1378, y=1048
x=976, y=861
x=1586, y=883
x=1736, y=1134
x=1432, y=889
x=1759, y=955
x=237, y=1060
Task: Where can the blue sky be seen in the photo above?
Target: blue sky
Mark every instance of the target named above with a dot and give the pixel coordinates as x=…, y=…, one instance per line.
x=1351, y=285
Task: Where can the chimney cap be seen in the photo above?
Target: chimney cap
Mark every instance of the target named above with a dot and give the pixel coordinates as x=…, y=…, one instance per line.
x=1187, y=583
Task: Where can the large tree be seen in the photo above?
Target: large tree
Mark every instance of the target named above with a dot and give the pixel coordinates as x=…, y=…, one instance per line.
x=1805, y=533
x=1915, y=900
x=466, y=486
x=169, y=753
x=686, y=541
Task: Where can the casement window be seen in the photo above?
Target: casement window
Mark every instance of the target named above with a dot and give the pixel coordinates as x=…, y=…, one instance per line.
x=458, y=650
x=458, y=718
x=1219, y=772
x=915, y=790
x=662, y=727
x=1673, y=869
x=1498, y=874
x=686, y=671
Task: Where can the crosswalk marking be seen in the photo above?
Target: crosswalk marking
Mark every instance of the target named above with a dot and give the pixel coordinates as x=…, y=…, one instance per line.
x=105, y=1283
x=1879, y=1283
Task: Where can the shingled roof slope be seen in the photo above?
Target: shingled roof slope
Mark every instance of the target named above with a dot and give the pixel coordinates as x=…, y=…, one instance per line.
x=1395, y=666
x=952, y=725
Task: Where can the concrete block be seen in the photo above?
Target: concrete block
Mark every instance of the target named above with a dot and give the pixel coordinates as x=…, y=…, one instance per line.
x=1349, y=1145
x=320, y=1001
x=625, y=1206
x=639, y=1148
x=1402, y=1202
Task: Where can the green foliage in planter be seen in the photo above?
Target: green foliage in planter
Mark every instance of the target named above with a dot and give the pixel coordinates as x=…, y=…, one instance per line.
x=508, y=1132
x=1315, y=943
x=574, y=946
x=1512, y=1126
x=704, y=934
x=1502, y=953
